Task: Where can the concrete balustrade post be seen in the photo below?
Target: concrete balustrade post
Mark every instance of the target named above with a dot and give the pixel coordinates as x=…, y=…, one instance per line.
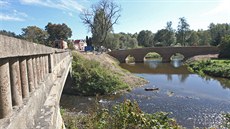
x=38, y=69
x=51, y=62
x=15, y=81
x=47, y=64
x=35, y=72
x=41, y=67
x=5, y=89
x=24, y=77
x=44, y=66
x=30, y=74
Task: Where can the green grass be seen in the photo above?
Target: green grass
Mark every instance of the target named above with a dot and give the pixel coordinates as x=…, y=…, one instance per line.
x=216, y=68
x=90, y=78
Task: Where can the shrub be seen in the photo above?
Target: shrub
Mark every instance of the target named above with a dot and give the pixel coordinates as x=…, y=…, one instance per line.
x=126, y=115
x=153, y=55
x=90, y=78
x=217, y=68
x=225, y=47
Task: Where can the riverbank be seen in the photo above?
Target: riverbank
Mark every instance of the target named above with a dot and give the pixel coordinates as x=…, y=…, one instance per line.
x=99, y=74
x=210, y=65
x=110, y=63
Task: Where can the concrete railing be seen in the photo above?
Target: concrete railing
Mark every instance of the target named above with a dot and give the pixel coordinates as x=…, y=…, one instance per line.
x=23, y=66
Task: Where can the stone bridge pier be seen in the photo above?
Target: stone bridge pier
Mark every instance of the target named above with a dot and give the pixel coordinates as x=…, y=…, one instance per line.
x=32, y=77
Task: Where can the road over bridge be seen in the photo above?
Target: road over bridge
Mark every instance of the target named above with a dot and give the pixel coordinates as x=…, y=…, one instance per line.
x=165, y=52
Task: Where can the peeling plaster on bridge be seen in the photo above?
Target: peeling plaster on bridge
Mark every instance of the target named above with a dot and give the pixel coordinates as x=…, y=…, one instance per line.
x=165, y=52
x=32, y=78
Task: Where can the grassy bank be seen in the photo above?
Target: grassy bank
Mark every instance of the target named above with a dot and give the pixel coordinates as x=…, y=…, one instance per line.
x=216, y=68
x=100, y=74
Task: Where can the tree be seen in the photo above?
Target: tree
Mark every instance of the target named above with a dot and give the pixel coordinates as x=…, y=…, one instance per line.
x=34, y=34
x=193, y=39
x=225, y=47
x=100, y=20
x=165, y=37
x=182, y=31
x=204, y=37
x=10, y=34
x=58, y=31
x=217, y=32
x=145, y=38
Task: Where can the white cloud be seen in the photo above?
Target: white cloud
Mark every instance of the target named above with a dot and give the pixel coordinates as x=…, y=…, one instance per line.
x=5, y=17
x=222, y=7
x=70, y=5
x=3, y=3
x=13, y=16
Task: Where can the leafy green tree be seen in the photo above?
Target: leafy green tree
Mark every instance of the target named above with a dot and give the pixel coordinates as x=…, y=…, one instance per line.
x=58, y=31
x=145, y=38
x=217, y=32
x=112, y=41
x=100, y=20
x=34, y=34
x=182, y=31
x=225, y=47
x=193, y=39
x=204, y=37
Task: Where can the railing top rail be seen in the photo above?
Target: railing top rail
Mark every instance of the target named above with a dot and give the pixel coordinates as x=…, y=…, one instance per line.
x=13, y=47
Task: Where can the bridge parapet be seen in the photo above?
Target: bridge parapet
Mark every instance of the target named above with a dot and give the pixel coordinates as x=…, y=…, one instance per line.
x=24, y=66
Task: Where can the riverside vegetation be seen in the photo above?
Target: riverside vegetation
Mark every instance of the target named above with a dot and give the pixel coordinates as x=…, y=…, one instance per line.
x=216, y=68
x=92, y=77
x=126, y=115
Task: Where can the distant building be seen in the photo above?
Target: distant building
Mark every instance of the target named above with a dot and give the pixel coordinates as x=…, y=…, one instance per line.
x=80, y=45
x=60, y=44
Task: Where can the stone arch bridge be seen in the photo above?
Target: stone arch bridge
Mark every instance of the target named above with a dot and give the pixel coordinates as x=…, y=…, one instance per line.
x=165, y=52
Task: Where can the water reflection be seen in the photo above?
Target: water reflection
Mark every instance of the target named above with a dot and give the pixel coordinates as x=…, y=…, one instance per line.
x=152, y=63
x=176, y=63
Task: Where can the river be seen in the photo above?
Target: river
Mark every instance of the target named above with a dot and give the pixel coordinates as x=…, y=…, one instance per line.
x=194, y=101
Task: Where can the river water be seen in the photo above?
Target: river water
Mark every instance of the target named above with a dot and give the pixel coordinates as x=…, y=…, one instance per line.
x=194, y=101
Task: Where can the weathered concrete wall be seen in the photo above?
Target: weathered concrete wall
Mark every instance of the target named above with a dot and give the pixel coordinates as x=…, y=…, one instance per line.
x=32, y=77
x=165, y=52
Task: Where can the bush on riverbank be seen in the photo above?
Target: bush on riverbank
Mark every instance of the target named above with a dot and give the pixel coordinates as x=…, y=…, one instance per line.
x=90, y=78
x=225, y=47
x=216, y=68
x=126, y=115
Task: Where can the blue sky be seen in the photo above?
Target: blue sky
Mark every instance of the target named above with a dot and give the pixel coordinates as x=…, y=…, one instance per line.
x=136, y=15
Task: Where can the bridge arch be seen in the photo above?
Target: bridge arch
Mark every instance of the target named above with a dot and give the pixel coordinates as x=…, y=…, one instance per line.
x=152, y=56
x=177, y=56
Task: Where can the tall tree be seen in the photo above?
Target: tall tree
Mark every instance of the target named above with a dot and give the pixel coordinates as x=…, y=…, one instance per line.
x=100, y=20
x=58, y=31
x=165, y=37
x=34, y=34
x=204, y=37
x=145, y=38
x=182, y=31
x=217, y=32
x=193, y=40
